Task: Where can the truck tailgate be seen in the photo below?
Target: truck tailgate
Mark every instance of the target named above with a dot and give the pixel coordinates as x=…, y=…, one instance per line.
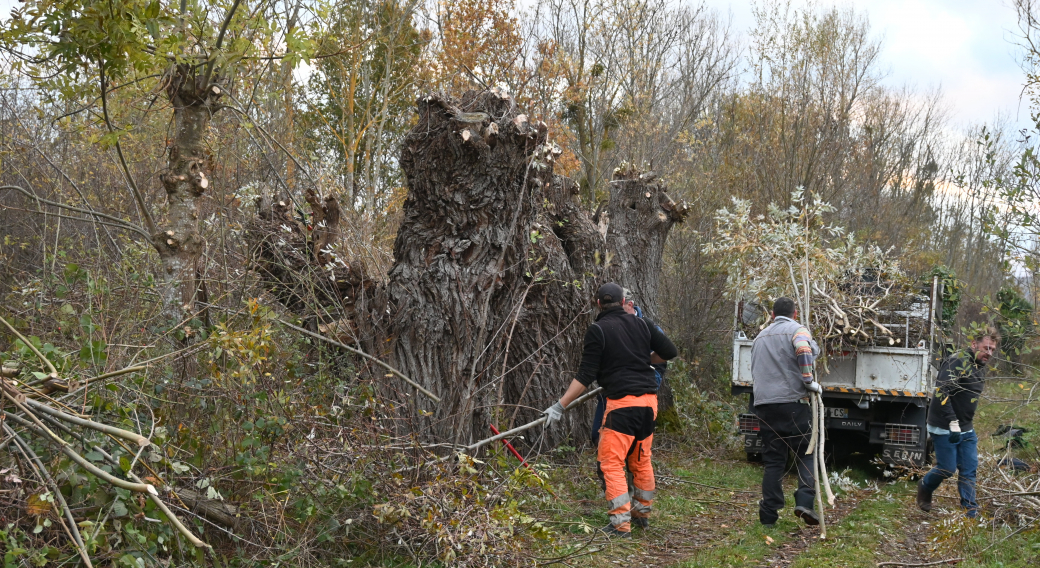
x=894, y=371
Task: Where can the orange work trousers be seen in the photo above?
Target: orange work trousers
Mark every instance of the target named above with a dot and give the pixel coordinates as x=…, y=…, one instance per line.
x=626, y=438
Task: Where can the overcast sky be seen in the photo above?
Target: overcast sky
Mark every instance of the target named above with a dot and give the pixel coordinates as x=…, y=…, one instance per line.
x=963, y=46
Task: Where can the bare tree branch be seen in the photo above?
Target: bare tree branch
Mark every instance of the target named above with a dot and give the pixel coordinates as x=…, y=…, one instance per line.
x=116, y=220
x=138, y=198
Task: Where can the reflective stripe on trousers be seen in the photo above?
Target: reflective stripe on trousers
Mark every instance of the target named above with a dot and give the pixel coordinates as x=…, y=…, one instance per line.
x=620, y=511
x=642, y=502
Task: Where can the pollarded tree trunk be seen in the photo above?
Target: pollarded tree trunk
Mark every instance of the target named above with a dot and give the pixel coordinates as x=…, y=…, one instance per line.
x=495, y=264
x=472, y=271
x=179, y=243
x=640, y=217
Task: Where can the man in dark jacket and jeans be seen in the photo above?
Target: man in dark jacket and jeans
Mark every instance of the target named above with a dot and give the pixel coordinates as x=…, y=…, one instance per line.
x=958, y=388
x=782, y=358
x=617, y=353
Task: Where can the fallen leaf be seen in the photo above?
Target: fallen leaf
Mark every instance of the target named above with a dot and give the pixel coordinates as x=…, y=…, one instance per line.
x=769, y=539
x=36, y=505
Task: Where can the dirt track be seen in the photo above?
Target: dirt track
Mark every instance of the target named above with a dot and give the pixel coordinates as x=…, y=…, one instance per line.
x=705, y=524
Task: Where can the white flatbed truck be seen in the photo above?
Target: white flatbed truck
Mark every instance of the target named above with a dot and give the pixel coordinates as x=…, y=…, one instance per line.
x=875, y=398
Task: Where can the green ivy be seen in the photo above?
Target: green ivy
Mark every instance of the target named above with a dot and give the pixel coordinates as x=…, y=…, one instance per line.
x=951, y=296
x=1016, y=322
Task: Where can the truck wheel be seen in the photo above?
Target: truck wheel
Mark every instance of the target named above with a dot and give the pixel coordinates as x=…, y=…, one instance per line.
x=754, y=458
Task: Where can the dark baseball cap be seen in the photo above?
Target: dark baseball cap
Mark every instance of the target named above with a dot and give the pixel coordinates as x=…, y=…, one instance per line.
x=610, y=293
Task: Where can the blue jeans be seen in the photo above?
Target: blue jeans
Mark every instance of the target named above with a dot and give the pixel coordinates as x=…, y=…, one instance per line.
x=962, y=457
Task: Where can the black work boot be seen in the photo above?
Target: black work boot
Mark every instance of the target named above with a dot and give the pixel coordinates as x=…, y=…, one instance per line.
x=808, y=515
x=641, y=522
x=613, y=532
x=924, y=497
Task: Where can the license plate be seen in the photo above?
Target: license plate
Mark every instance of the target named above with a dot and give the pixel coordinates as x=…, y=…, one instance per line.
x=838, y=412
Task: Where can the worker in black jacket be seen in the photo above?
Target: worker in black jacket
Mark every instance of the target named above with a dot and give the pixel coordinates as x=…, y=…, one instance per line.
x=958, y=388
x=617, y=354
x=659, y=364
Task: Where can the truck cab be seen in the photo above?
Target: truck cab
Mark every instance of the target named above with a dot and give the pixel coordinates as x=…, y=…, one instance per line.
x=875, y=397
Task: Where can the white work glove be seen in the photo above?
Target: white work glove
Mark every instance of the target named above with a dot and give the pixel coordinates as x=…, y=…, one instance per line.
x=553, y=414
x=814, y=387
x=955, y=431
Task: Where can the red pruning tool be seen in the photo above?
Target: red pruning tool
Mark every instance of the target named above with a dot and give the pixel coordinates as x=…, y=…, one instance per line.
x=512, y=450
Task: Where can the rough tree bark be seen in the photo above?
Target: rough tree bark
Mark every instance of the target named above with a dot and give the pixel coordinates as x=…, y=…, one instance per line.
x=180, y=244
x=495, y=263
x=478, y=268
x=641, y=215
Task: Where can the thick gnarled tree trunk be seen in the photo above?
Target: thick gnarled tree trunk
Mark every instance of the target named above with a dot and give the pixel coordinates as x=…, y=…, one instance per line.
x=640, y=216
x=495, y=264
x=472, y=271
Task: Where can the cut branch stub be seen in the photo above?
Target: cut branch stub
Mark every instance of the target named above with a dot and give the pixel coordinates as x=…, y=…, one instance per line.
x=186, y=86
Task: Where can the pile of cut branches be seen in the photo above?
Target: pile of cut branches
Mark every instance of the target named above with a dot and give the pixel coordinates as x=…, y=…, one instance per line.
x=1010, y=488
x=857, y=293
x=41, y=411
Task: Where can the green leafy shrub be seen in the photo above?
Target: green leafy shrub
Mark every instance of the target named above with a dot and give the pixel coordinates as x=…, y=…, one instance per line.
x=698, y=417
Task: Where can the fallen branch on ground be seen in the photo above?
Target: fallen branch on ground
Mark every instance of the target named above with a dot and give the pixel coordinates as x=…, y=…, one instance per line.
x=30, y=414
x=910, y=564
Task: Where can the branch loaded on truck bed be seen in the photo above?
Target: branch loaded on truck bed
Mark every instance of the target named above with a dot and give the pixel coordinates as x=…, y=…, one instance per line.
x=742, y=388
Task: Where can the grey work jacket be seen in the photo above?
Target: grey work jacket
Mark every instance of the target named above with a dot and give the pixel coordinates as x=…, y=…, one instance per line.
x=774, y=366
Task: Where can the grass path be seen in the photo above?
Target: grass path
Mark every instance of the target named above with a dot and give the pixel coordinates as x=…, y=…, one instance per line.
x=706, y=516
x=706, y=513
